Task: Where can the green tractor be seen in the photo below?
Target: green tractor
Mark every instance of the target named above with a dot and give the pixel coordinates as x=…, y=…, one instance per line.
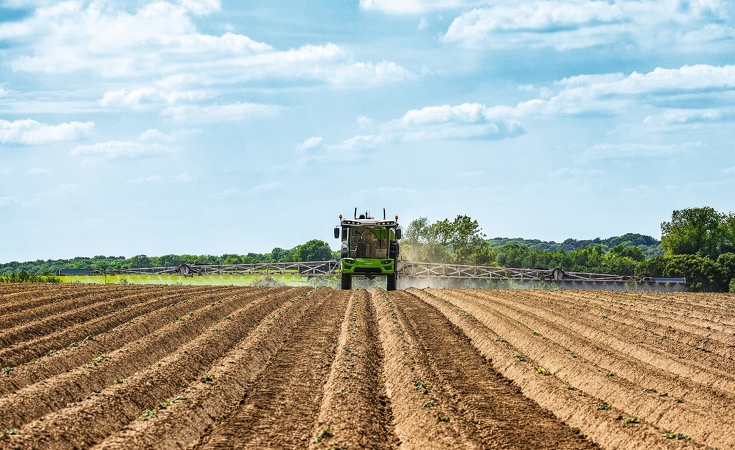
x=369, y=248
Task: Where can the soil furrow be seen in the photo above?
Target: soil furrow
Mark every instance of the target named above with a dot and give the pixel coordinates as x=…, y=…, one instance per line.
x=695, y=327
x=14, y=355
x=37, y=400
x=28, y=315
x=205, y=403
x=651, y=368
x=355, y=409
x=281, y=408
x=502, y=416
x=127, y=334
x=598, y=382
x=416, y=395
x=102, y=414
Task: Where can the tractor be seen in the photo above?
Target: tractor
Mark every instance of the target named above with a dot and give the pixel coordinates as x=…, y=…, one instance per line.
x=369, y=248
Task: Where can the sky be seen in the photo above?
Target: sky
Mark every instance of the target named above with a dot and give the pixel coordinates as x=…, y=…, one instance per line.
x=234, y=126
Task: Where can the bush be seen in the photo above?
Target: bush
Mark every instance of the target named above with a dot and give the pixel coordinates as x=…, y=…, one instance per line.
x=732, y=286
x=702, y=273
x=653, y=267
x=726, y=261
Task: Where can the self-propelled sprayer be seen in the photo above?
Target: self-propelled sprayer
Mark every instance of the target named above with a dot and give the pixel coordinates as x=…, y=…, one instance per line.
x=369, y=248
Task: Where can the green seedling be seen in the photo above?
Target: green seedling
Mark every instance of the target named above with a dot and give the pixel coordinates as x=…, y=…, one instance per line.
x=609, y=374
x=442, y=418
x=118, y=381
x=97, y=394
x=207, y=378
x=149, y=414
x=215, y=329
x=519, y=357
x=7, y=370
x=429, y=404
x=52, y=352
x=89, y=338
x=420, y=386
x=541, y=371
x=603, y=406
x=676, y=436
x=325, y=433
x=500, y=339
x=350, y=352
x=535, y=333
x=165, y=404
x=679, y=400
x=100, y=359
x=11, y=431
x=650, y=390
x=634, y=419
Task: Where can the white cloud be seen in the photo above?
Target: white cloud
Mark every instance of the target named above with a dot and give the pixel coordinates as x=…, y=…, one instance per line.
x=259, y=189
x=363, y=121
x=218, y=113
x=581, y=23
x=729, y=170
x=171, y=136
x=309, y=143
x=38, y=171
x=8, y=201
x=414, y=6
x=636, y=150
x=461, y=122
x=31, y=132
x=161, y=40
x=465, y=121
x=62, y=190
x=153, y=179
x=150, y=96
x=120, y=149
x=471, y=174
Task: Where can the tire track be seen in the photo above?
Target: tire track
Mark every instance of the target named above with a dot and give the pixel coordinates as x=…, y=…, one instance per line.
x=283, y=405
x=355, y=408
x=416, y=394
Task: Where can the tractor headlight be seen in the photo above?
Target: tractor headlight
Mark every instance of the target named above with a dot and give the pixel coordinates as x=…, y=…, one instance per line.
x=386, y=261
x=348, y=261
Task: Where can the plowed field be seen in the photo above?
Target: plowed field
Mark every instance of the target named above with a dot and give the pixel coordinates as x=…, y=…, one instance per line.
x=89, y=366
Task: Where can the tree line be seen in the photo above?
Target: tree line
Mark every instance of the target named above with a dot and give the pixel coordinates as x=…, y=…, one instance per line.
x=698, y=244
x=313, y=250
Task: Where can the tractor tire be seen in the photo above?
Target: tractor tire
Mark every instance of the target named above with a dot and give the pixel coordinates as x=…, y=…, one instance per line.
x=346, y=283
x=391, y=284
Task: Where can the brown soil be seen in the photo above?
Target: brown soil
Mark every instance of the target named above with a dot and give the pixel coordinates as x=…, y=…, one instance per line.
x=231, y=367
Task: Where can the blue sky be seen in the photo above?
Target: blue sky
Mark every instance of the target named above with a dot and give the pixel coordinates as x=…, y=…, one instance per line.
x=211, y=127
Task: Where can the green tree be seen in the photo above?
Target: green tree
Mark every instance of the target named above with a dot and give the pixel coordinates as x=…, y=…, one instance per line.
x=726, y=263
x=652, y=267
x=139, y=261
x=630, y=251
x=701, y=273
x=695, y=231
x=314, y=250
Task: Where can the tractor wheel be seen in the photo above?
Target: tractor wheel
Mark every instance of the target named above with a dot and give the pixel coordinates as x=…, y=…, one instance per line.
x=391, y=285
x=346, y=282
